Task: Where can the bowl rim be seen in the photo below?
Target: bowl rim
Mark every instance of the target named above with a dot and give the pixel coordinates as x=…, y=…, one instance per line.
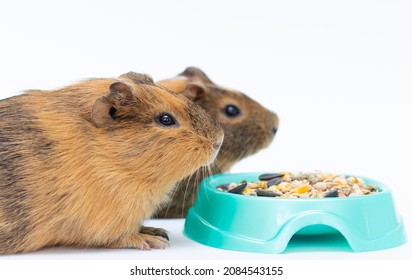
x=206, y=184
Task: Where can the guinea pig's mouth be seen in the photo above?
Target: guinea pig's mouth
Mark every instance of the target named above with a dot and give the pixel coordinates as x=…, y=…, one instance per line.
x=216, y=148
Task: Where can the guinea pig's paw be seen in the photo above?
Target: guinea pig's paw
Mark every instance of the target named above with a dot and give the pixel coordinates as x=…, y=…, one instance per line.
x=154, y=231
x=142, y=241
x=157, y=242
x=153, y=242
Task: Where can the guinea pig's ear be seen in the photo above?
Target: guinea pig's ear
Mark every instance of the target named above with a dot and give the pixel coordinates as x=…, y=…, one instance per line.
x=105, y=108
x=194, y=91
x=196, y=74
x=138, y=78
x=177, y=85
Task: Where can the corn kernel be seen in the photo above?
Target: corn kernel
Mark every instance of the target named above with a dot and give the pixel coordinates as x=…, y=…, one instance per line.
x=263, y=185
x=301, y=189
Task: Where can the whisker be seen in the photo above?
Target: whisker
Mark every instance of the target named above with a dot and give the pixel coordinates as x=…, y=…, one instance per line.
x=188, y=182
x=195, y=188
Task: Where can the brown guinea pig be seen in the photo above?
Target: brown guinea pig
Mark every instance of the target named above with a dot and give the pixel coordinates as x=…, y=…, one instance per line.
x=86, y=164
x=248, y=127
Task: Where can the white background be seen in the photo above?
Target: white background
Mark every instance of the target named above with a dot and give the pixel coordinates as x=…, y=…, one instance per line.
x=338, y=74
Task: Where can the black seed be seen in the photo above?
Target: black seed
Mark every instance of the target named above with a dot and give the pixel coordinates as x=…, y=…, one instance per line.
x=332, y=193
x=274, y=181
x=238, y=189
x=260, y=192
x=223, y=187
x=269, y=176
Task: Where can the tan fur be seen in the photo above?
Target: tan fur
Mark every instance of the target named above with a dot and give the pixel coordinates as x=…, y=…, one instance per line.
x=245, y=134
x=68, y=182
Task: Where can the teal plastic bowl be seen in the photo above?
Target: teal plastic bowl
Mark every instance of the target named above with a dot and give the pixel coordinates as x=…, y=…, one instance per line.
x=266, y=224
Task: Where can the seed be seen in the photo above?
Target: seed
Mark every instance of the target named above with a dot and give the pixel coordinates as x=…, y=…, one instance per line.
x=352, y=180
x=340, y=180
x=239, y=189
x=263, y=185
x=360, y=181
x=266, y=193
x=356, y=189
x=296, y=184
x=320, y=195
x=332, y=193
x=365, y=191
x=302, y=185
x=287, y=176
x=301, y=189
x=372, y=188
x=342, y=194
x=274, y=181
x=320, y=186
x=313, y=193
x=247, y=191
x=275, y=189
x=223, y=187
x=269, y=176
x=314, y=179
x=253, y=185
x=284, y=187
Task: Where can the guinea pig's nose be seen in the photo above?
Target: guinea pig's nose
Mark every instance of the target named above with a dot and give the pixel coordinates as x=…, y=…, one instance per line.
x=275, y=129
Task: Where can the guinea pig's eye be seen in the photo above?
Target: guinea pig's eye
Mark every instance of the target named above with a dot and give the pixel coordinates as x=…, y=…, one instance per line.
x=165, y=119
x=231, y=111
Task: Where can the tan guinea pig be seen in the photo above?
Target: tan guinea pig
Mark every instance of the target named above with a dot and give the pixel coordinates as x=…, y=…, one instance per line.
x=85, y=165
x=248, y=127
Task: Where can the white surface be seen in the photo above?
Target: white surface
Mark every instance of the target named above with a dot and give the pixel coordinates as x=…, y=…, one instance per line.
x=182, y=248
x=337, y=73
